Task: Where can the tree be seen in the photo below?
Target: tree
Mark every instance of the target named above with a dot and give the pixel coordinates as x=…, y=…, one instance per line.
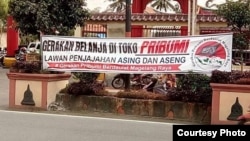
x=120, y=5
x=3, y=15
x=237, y=15
x=166, y=4
x=48, y=16
x=3, y=9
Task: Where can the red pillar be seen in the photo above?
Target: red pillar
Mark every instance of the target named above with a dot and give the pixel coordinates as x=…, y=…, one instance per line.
x=184, y=7
x=12, y=37
x=138, y=7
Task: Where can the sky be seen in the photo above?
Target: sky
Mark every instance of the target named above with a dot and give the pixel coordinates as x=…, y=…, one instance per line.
x=92, y=4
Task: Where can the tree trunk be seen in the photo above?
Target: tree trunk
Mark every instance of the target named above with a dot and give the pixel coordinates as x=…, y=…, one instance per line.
x=241, y=62
x=126, y=77
x=126, y=82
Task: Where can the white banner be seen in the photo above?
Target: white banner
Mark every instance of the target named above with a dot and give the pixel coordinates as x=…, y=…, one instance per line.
x=179, y=54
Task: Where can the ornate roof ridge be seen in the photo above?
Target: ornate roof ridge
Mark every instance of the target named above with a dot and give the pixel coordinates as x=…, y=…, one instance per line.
x=154, y=17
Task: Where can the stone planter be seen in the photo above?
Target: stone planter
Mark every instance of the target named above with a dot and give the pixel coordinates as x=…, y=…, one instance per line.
x=228, y=102
x=175, y=110
x=34, y=90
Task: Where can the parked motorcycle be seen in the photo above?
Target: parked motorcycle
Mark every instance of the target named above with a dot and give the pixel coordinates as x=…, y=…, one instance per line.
x=20, y=54
x=3, y=53
x=139, y=82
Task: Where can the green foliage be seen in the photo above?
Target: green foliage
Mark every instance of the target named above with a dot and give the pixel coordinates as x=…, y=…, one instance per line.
x=3, y=9
x=233, y=77
x=141, y=95
x=240, y=41
x=85, y=76
x=48, y=16
x=87, y=84
x=237, y=14
x=3, y=14
x=31, y=67
x=220, y=77
x=193, y=82
x=243, y=81
x=192, y=87
x=84, y=88
x=26, y=39
x=120, y=5
x=164, y=4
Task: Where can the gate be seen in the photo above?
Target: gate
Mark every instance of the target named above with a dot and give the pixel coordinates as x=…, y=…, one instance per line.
x=155, y=31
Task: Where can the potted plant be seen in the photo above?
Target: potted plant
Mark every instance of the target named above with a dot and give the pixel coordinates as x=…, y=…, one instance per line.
x=231, y=95
x=30, y=84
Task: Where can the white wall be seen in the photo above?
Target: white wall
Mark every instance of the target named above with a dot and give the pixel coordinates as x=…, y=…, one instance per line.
x=3, y=42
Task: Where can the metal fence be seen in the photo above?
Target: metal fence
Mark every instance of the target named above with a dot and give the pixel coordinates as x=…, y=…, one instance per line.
x=100, y=31
x=95, y=30
x=156, y=31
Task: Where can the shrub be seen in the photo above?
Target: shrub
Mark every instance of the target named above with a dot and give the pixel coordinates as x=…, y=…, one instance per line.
x=243, y=81
x=83, y=88
x=192, y=87
x=233, y=77
x=220, y=77
x=87, y=84
x=174, y=95
x=65, y=89
x=31, y=67
x=85, y=77
x=140, y=94
x=103, y=93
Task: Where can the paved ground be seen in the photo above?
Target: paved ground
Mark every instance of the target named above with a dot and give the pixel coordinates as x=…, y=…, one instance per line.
x=4, y=89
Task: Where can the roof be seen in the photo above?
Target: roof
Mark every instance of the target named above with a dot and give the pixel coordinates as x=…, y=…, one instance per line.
x=154, y=17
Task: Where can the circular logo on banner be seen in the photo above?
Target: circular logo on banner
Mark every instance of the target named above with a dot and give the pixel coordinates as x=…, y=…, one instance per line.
x=210, y=55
